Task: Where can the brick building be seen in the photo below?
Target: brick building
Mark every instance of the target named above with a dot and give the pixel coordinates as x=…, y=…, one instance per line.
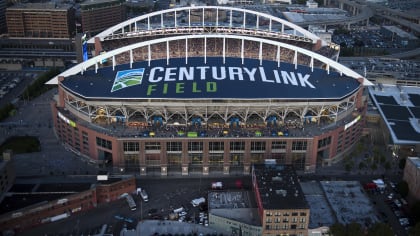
x=36, y=20
x=282, y=206
x=93, y=14
x=59, y=206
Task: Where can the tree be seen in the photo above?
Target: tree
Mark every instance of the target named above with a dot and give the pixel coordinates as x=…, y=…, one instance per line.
x=402, y=188
x=374, y=166
x=354, y=229
x=382, y=158
x=387, y=165
x=415, y=230
x=338, y=229
x=380, y=229
x=362, y=165
x=401, y=164
x=415, y=211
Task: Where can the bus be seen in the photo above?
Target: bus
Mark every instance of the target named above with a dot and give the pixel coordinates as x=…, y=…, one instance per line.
x=131, y=202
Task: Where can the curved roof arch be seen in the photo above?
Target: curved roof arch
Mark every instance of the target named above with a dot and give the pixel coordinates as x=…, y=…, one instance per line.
x=95, y=61
x=120, y=27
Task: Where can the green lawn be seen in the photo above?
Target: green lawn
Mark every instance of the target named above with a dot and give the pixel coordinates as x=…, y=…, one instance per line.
x=21, y=144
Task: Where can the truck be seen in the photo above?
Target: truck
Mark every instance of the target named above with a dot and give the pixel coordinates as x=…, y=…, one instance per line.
x=196, y=202
x=143, y=194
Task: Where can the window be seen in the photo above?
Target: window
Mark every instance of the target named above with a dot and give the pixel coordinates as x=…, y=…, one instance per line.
x=152, y=146
x=257, y=158
x=278, y=145
x=324, y=142
x=299, y=145
x=236, y=159
x=216, y=159
x=195, y=146
x=174, y=147
x=257, y=146
x=196, y=158
x=298, y=161
x=153, y=160
x=216, y=147
x=174, y=159
x=131, y=161
x=104, y=143
x=131, y=147
x=237, y=146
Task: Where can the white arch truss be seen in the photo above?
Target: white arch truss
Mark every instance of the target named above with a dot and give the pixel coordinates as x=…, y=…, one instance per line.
x=96, y=61
x=132, y=25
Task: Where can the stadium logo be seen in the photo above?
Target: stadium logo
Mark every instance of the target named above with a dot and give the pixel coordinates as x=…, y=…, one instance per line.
x=127, y=78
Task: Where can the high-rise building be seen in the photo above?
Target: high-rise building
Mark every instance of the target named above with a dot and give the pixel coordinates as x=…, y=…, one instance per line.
x=101, y=14
x=36, y=20
x=3, y=16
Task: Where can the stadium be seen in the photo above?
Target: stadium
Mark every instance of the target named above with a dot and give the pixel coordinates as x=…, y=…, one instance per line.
x=209, y=89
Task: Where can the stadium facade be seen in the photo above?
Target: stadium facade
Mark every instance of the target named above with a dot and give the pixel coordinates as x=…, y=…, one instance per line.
x=209, y=90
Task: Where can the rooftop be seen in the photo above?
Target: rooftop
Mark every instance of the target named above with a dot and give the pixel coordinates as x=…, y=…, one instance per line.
x=349, y=202
x=279, y=188
x=41, y=6
x=213, y=79
x=321, y=213
x=100, y=3
x=234, y=205
x=399, y=106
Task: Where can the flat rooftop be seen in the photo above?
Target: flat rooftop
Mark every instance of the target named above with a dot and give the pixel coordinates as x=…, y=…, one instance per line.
x=236, y=205
x=15, y=202
x=279, y=187
x=40, y=6
x=321, y=213
x=399, y=107
x=315, y=15
x=349, y=202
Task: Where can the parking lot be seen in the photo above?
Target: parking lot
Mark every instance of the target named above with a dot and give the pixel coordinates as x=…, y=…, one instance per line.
x=165, y=195
x=12, y=83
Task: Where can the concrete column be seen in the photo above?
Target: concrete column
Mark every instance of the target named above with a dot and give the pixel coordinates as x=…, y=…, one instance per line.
x=163, y=159
x=185, y=158
x=142, y=159
x=206, y=157
x=226, y=158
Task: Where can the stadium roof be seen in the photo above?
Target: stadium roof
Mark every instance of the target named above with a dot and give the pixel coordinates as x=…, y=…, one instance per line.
x=134, y=24
x=95, y=61
x=400, y=109
x=212, y=79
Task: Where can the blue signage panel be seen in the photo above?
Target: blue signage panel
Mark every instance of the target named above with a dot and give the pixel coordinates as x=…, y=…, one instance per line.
x=212, y=79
